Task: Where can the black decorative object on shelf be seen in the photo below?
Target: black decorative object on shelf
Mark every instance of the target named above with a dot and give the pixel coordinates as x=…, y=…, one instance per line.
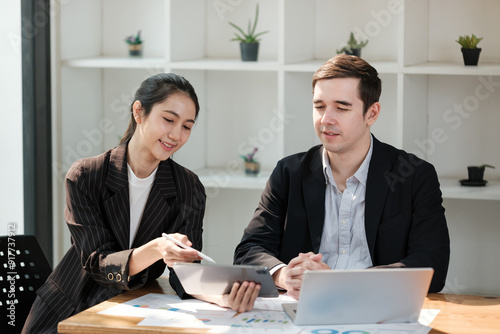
x=476, y=175
x=249, y=51
x=470, y=183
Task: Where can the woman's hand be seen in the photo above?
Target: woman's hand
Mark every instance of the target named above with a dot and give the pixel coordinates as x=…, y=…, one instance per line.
x=161, y=248
x=172, y=253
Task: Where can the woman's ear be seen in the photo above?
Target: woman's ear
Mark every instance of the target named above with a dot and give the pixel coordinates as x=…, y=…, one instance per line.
x=137, y=111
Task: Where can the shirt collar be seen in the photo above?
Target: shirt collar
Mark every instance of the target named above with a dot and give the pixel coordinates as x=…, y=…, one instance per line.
x=327, y=169
x=360, y=175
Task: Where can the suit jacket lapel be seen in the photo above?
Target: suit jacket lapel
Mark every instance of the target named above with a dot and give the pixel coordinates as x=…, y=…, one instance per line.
x=376, y=192
x=117, y=207
x=157, y=206
x=314, y=199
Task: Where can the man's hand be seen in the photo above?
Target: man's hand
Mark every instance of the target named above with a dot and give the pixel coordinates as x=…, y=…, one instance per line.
x=290, y=277
x=308, y=261
x=392, y=265
x=242, y=297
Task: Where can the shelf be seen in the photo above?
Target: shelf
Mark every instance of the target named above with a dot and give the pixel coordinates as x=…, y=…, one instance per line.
x=220, y=178
x=225, y=64
x=216, y=64
x=439, y=68
x=115, y=62
x=451, y=188
x=313, y=65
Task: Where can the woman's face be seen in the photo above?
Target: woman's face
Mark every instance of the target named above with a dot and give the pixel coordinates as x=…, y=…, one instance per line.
x=166, y=128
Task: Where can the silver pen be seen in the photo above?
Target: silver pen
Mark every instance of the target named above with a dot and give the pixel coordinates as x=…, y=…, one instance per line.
x=178, y=243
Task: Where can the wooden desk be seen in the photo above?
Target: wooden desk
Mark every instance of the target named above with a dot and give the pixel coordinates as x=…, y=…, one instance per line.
x=459, y=314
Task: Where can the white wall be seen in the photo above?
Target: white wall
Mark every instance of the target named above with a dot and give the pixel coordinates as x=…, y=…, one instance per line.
x=11, y=131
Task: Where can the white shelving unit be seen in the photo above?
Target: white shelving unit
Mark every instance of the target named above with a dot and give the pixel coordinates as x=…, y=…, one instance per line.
x=268, y=103
x=452, y=189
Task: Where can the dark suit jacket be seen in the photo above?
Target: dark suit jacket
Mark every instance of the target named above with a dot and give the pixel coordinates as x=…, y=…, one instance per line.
x=404, y=218
x=95, y=268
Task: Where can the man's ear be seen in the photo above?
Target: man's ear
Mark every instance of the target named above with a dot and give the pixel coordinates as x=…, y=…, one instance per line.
x=138, y=111
x=372, y=113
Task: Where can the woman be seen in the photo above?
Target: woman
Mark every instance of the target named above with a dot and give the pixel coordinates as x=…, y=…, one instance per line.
x=119, y=203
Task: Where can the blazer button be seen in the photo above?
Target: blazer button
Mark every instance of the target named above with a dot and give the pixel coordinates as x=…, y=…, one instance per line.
x=110, y=276
x=118, y=277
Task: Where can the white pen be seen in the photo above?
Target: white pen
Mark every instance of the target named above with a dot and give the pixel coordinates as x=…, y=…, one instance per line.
x=178, y=243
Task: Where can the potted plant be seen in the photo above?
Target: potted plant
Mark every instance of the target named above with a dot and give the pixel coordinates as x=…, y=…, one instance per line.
x=353, y=46
x=134, y=45
x=252, y=167
x=249, y=41
x=476, y=173
x=470, y=51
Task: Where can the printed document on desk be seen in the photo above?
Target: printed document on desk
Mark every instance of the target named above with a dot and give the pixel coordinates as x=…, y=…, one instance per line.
x=161, y=310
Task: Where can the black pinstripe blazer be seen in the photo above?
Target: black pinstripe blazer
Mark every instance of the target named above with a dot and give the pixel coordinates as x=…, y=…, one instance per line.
x=95, y=268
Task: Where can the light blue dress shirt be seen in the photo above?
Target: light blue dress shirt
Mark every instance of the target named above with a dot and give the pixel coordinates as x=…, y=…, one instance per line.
x=343, y=242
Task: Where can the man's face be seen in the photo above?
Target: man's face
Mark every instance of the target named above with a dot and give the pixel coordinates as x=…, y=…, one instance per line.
x=338, y=115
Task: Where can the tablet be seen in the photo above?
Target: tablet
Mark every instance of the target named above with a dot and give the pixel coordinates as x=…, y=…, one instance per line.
x=213, y=279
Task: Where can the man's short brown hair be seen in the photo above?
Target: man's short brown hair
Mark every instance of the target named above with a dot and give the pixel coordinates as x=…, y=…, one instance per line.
x=344, y=66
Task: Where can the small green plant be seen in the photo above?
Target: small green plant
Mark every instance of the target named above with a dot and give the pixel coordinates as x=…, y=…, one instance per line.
x=486, y=165
x=352, y=45
x=250, y=36
x=250, y=157
x=134, y=40
x=469, y=42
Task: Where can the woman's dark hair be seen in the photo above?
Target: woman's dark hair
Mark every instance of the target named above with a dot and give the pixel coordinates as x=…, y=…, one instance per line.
x=344, y=66
x=157, y=89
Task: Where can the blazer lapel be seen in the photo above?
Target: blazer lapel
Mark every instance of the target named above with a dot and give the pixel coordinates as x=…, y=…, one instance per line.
x=376, y=192
x=117, y=207
x=314, y=199
x=157, y=206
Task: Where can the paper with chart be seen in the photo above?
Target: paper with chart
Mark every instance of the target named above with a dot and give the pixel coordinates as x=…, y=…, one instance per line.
x=170, y=311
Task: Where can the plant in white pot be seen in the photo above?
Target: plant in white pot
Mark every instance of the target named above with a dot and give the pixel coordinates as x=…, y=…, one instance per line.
x=470, y=51
x=249, y=41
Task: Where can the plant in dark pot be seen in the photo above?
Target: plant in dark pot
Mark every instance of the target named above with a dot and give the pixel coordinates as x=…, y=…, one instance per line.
x=353, y=46
x=134, y=45
x=470, y=51
x=476, y=175
x=249, y=41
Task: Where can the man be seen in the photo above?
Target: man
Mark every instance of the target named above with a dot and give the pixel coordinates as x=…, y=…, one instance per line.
x=352, y=202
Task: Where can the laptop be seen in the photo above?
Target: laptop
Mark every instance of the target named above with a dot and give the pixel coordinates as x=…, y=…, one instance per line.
x=370, y=296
